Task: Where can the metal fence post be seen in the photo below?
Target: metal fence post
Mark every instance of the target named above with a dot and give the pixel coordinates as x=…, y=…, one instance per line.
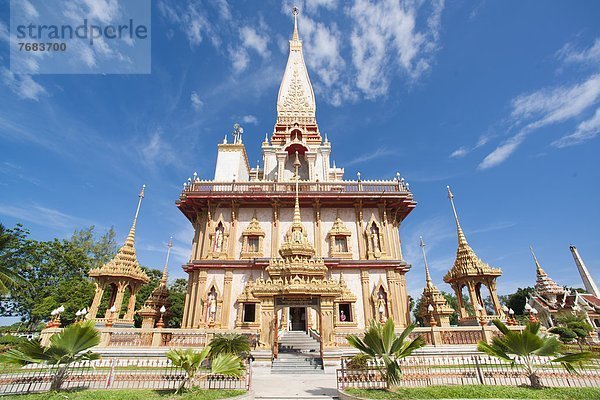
x=479, y=375
x=343, y=375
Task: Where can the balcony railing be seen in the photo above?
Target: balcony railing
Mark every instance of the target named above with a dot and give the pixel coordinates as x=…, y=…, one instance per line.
x=394, y=186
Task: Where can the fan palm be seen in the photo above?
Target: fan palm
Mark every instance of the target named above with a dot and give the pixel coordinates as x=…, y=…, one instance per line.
x=191, y=361
x=381, y=344
x=69, y=346
x=8, y=278
x=523, y=348
x=229, y=343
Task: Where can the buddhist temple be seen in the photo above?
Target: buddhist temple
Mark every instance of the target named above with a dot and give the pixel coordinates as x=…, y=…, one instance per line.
x=292, y=248
x=159, y=299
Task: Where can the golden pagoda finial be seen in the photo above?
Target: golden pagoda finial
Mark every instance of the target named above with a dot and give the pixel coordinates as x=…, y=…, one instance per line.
x=538, y=267
x=163, y=280
x=428, y=282
x=131, y=237
x=462, y=240
x=295, y=12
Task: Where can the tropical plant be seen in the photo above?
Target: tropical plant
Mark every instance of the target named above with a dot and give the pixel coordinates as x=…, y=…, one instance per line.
x=523, y=349
x=69, y=346
x=358, y=361
x=572, y=327
x=191, y=361
x=230, y=343
x=382, y=345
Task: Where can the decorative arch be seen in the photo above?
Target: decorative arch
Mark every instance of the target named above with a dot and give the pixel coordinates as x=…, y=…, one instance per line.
x=375, y=239
x=219, y=239
x=252, y=239
x=212, y=304
x=381, y=296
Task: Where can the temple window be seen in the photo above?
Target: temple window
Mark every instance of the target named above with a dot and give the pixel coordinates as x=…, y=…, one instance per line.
x=339, y=235
x=252, y=240
x=341, y=244
x=249, y=312
x=345, y=312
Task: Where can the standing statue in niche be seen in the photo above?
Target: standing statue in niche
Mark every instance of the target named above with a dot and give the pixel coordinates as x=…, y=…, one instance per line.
x=342, y=316
x=218, y=246
x=381, y=307
x=375, y=245
x=212, y=305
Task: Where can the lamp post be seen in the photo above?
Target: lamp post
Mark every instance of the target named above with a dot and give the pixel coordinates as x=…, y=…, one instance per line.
x=432, y=321
x=160, y=323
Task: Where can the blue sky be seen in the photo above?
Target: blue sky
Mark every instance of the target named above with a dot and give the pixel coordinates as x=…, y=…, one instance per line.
x=500, y=100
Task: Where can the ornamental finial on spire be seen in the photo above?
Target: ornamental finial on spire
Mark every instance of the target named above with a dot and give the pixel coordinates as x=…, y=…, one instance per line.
x=462, y=240
x=163, y=280
x=295, y=12
x=428, y=282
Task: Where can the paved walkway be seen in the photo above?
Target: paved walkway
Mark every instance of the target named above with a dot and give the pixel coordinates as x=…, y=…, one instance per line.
x=292, y=386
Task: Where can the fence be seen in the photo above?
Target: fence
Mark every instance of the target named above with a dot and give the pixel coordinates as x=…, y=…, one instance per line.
x=115, y=374
x=468, y=370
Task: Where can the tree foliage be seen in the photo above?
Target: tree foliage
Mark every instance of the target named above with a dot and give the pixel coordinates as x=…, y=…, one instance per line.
x=9, y=277
x=521, y=348
x=572, y=328
x=230, y=343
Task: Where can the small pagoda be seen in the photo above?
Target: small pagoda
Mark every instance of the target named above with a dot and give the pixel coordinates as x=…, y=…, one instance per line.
x=156, y=309
x=433, y=309
x=119, y=274
x=471, y=272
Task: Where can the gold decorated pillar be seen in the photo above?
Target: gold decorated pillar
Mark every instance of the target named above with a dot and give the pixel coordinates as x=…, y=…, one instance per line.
x=403, y=297
x=327, y=322
x=275, y=229
x=133, y=290
x=267, y=322
x=364, y=283
x=359, y=229
x=226, y=298
x=97, y=299
x=186, y=307
x=198, y=320
x=317, y=229
x=232, y=231
x=391, y=282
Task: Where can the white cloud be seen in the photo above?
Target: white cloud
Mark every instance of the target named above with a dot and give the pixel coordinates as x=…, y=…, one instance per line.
x=570, y=55
x=29, y=9
x=252, y=39
x=380, y=152
x=156, y=151
x=250, y=119
x=585, y=131
x=459, y=153
x=196, y=102
x=239, y=59
x=541, y=108
x=385, y=36
x=43, y=216
x=23, y=85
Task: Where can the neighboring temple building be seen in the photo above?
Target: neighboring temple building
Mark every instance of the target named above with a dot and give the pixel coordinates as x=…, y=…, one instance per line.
x=552, y=301
x=471, y=272
x=291, y=245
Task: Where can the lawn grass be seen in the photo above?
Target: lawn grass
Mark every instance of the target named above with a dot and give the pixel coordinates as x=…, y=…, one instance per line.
x=196, y=394
x=479, y=392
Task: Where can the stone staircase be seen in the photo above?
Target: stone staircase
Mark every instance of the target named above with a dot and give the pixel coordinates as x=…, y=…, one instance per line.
x=298, y=354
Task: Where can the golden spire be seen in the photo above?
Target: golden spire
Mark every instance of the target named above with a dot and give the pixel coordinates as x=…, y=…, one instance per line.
x=462, y=240
x=538, y=268
x=131, y=237
x=295, y=35
x=163, y=280
x=428, y=282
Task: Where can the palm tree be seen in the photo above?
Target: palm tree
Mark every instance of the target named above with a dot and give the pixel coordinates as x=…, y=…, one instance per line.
x=523, y=348
x=381, y=344
x=230, y=343
x=191, y=361
x=69, y=346
x=8, y=278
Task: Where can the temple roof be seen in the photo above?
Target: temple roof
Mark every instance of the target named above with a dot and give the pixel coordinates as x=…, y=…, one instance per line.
x=296, y=99
x=124, y=263
x=544, y=285
x=467, y=263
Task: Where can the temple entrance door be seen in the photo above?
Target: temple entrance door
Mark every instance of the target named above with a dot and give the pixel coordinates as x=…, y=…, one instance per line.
x=298, y=318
